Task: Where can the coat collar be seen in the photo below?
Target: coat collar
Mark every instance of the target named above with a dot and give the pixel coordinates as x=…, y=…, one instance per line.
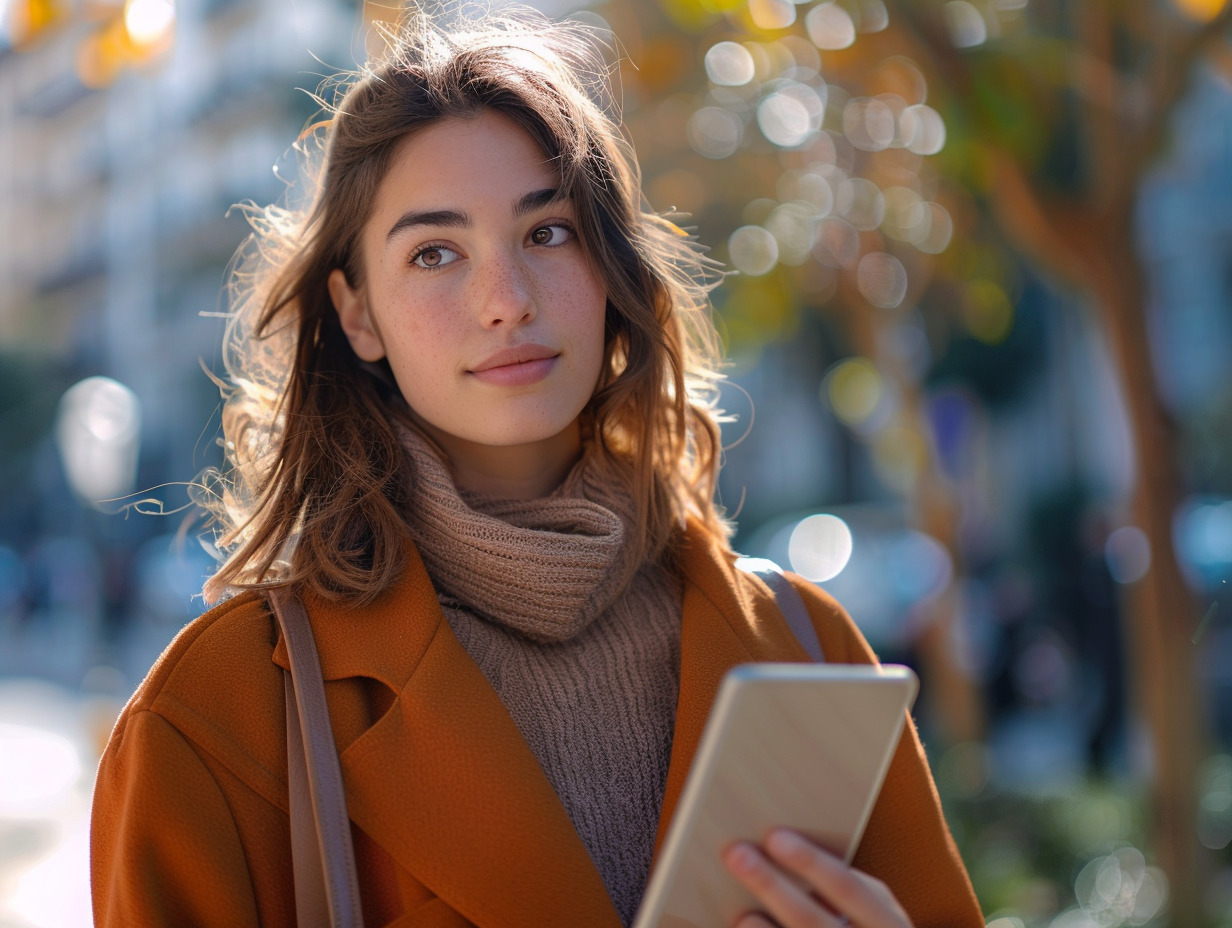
x=384, y=640
x=445, y=782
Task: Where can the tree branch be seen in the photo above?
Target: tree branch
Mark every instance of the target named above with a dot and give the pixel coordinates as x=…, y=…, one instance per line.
x=1050, y=234
x=1105, y=125
x=1170, y=88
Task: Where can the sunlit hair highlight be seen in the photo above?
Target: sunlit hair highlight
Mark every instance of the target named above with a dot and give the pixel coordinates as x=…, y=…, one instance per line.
x=315, y=482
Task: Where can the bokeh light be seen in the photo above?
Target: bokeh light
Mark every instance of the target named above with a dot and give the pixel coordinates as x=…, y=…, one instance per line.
x=753, y=250
x=932, y=228
x=772, y=14
x=714, y=132
x=855, y=389
x=988, y=311
x=1128, y=554
x=729, y=64
x=838, y=243
x=830, y=27
x=882, y=279
x=790, y=115
x=794, y=227
x=874, y=17
x=98, y=430
x=820, y=547
x=902, y=213
x=902, y=76
x=922, y=129
x=1120, y=889
x=807, y=60
x=808, y=187
x=868, y=123
x=1204, y=539
x=860, y=202
x=149, y=22
x=921, y=567
x=966, y=24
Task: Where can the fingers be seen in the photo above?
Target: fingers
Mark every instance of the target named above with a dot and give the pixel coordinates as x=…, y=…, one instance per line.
x=755, y=920
x=848, y=895
x=787, y=903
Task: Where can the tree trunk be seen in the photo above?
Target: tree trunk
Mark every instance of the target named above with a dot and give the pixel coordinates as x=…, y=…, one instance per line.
x=1095, y=252
x=1163, y=614
x=951, y=697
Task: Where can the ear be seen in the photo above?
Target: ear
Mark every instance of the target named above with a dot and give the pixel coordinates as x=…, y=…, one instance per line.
x=355, y=318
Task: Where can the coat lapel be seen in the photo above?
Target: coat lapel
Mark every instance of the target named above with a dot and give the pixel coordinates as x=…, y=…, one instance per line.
x=730, y=618
x=444, y=781
x=447, y=785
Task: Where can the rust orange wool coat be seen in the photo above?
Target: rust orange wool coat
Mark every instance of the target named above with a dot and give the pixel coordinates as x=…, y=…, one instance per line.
x=454, y=822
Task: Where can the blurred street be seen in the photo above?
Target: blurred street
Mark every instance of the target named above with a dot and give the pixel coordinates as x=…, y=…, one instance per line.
x=978, y=309
x=50, y=739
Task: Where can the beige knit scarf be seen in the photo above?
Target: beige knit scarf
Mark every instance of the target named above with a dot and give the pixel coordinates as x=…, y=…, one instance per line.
x=546, y=567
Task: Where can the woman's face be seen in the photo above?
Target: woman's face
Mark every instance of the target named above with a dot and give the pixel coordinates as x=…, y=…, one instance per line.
x=477, y=290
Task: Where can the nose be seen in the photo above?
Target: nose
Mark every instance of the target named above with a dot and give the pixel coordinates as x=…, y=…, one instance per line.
x=506, y=292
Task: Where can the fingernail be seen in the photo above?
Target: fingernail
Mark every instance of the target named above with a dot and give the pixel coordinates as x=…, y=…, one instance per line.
x=741, y=857
x=784, y=843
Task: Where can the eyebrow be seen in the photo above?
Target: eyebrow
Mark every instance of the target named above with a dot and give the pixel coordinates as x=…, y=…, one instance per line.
x=458, y=219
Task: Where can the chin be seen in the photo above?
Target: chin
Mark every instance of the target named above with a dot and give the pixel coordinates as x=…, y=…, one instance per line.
x=509, y=435
x=507, y=431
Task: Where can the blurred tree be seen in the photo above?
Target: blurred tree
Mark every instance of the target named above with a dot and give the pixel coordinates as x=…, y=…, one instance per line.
x=1061, y=116
x=816, y=131
x=831, y=183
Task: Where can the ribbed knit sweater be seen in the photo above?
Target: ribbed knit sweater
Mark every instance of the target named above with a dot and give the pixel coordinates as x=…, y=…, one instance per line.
x=581, y=643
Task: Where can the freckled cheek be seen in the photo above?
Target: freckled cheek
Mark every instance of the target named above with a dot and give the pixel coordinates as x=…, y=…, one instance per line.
x=424, y=337
x=583, y=300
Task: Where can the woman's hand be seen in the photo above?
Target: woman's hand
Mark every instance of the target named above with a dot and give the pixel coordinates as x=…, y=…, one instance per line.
x=838, y=895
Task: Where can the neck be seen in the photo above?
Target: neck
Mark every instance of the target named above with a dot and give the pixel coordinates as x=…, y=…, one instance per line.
x=525, y=471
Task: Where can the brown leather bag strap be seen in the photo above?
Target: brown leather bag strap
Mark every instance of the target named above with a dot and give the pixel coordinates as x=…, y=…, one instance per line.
x=311, y=900
x=789, y=601
x=326, y=885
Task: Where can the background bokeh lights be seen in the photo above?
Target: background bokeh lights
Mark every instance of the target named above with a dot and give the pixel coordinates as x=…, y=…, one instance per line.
x=978, y=308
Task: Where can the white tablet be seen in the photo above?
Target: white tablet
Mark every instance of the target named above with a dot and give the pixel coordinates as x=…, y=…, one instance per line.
x=801, y=745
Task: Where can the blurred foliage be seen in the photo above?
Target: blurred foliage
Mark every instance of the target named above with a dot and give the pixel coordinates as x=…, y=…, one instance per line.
x=1025, y=852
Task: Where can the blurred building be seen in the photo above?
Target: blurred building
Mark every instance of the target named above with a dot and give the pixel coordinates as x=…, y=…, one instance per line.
x=127, y=131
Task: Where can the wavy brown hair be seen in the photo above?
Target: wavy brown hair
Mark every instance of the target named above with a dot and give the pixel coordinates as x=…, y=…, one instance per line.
x=315, y=486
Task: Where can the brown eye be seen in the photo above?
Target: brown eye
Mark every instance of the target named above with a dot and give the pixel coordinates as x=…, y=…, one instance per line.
x=434, y=256
x=555, y=234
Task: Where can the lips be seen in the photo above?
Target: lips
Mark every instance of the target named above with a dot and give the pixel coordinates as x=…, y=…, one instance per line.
x=514, y=355
x=516, y=366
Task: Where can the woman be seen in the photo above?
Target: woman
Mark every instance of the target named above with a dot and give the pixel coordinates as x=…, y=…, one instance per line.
x=468, y=424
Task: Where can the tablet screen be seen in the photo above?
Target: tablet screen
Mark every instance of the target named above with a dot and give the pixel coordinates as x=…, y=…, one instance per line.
x=801, y=745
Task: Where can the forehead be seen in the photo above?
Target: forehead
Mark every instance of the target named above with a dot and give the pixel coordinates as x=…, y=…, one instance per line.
x=458, y=163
